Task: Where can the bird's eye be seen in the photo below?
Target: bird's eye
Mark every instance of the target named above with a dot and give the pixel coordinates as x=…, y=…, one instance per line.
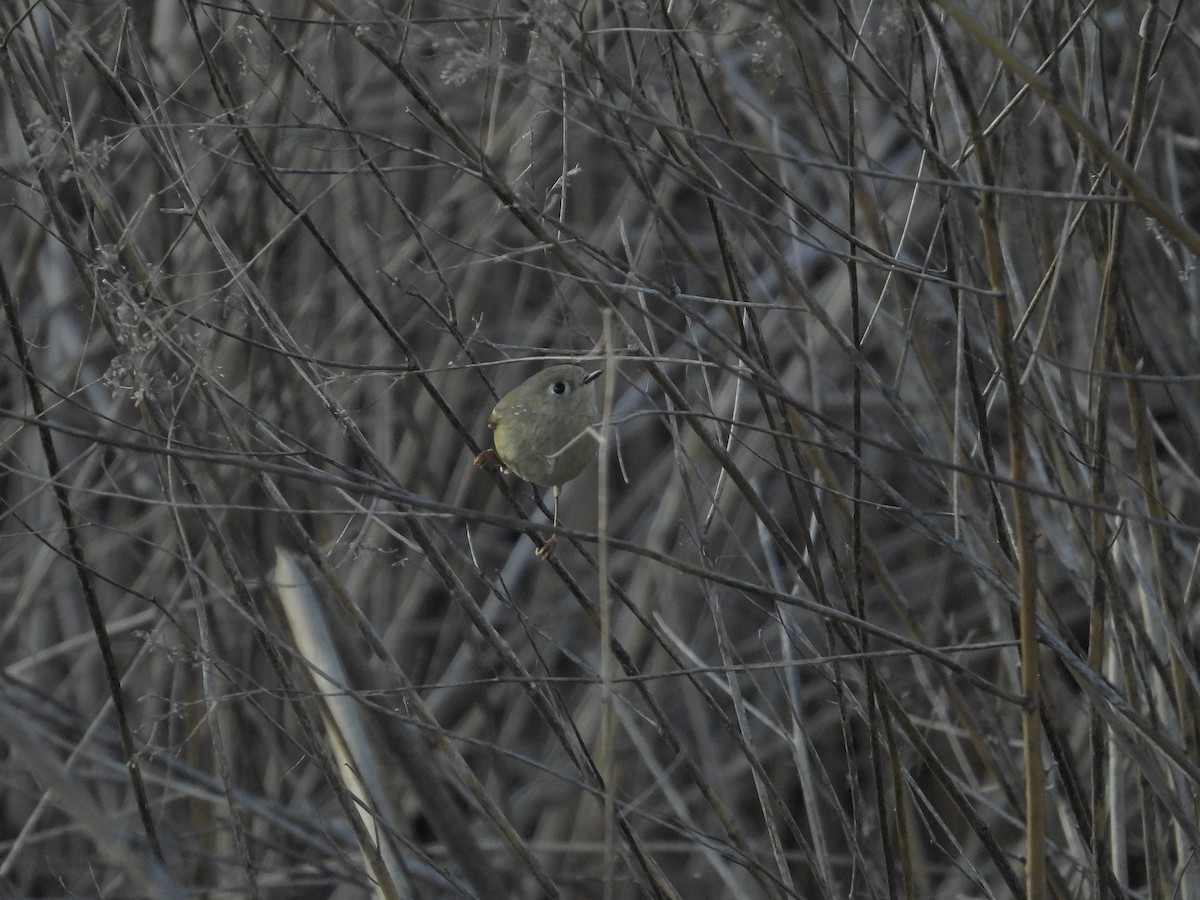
x=559, y=387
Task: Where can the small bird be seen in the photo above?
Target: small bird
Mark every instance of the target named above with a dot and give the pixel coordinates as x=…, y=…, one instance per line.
x=541, y=430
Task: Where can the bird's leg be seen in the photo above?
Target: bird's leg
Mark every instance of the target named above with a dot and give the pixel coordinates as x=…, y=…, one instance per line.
x=547, y=549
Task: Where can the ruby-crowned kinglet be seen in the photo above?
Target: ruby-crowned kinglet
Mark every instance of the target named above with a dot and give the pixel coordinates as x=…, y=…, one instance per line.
x=540, y=429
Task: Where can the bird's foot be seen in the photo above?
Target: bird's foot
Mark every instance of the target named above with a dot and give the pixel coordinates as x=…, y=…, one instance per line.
x=484, y=459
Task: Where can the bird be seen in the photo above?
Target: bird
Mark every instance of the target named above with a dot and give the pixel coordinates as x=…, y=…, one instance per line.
x=541, y=430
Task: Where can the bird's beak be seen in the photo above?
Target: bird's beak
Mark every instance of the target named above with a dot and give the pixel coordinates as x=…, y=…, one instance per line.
x=592, y=376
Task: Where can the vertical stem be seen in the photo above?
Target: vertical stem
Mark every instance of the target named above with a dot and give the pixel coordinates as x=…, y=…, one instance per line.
x=608, y=766
x=1023, y=532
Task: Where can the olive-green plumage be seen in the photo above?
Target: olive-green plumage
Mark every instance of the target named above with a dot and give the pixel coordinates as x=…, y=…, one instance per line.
x=539, y=427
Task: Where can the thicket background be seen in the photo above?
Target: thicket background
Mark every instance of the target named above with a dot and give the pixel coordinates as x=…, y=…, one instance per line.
x=881, y=587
